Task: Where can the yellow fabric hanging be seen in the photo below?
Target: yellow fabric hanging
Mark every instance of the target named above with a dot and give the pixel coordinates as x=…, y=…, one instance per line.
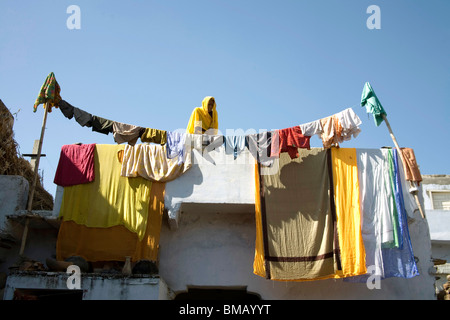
x=201, y=118
x=346, y=196
x=258, y=262
x=110, y=200
x=117, y=242
x=151, y=162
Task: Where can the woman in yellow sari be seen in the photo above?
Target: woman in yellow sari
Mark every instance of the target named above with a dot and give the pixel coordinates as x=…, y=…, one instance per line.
x=204, y=118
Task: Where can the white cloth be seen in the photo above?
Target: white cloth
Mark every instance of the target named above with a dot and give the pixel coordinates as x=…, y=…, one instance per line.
x=377, y=225
x=350, y=123
x=311, y=128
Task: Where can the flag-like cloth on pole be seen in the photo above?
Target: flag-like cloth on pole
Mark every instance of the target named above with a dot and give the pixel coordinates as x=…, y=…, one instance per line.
x=49, y=93
x=370, y=100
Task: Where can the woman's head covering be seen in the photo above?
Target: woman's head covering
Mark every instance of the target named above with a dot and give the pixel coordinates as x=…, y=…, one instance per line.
x=200, y=117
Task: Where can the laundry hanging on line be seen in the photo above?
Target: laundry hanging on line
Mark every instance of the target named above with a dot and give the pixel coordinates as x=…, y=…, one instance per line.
x=263, y=146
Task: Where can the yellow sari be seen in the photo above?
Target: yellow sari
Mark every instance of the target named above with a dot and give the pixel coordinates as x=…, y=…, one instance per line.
x=200, y=117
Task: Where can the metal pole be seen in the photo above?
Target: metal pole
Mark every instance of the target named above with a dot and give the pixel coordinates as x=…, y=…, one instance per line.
x=33, y=186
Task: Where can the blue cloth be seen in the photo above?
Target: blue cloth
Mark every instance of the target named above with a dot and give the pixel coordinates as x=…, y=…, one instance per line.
x=400, y=262
x=396, y=262
x=234, y=145
x=175, y=145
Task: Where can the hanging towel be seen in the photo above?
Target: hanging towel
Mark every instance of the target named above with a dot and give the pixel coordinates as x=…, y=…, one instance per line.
x=350, y=122
x=331, y=131
x=200, y=117
x=49, y=93
x=110, y=200
x=76, y=165
x=311, y=128
x=348, y=212
x=235, y=145
x=83, y=118
x=176, y=146
x=260, y=146
x=151, y=163
x=412, y=172
x=102, y=125
x=290, y=140
x=66, y=109
x=154, y=136
x=126, y=133
x=116, y=242
x=295, y=236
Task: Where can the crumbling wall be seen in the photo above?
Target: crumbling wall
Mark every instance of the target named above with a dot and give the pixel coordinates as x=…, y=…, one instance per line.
x=12, y=163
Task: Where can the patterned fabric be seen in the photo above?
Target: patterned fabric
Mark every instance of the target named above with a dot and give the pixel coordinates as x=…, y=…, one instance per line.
x=49, y=93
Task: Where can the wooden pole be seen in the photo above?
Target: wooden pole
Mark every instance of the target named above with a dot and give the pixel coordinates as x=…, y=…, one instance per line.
x=416, y=197
x=33, y=186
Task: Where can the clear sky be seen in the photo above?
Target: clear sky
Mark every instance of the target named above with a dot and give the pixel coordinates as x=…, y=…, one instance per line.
x=269, y=65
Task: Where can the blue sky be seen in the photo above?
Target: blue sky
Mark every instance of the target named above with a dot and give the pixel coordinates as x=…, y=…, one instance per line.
x=269, y=64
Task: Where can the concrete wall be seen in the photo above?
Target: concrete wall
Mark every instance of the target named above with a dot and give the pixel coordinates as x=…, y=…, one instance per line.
x=94, y=287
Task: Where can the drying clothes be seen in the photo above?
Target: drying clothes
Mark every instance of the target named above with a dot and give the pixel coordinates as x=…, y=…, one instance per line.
x=235, y=145
x=370, y=100
x=83, y=118
x=116, y=242
x=350, y=122
x=154, y=135
x=311, y=128
x=49, y=93
x=331, y=131
x=348, y=212
x=375, y=191
x=411, y=204
x=384, y=262
x=102, y=125
x=76, y=165
x=412, y=172
x=110, y=200
x=295, y=236
x=290, y=140
x=126, y=133
x=400, y=262
x=151, y=163
x=66, y=109
x=201, y=118
x=260, y=146
x=396, y=243
x=176, y=146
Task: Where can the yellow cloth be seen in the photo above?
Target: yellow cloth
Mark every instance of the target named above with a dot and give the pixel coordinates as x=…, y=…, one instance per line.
x=201, y=118
x=117, y=242
x=110, y=200
x=151, y=163
x=154, y=135
x=346, y=197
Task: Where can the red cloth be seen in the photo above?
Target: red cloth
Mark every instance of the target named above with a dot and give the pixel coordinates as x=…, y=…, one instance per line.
x=290, y=139
x=76, y=165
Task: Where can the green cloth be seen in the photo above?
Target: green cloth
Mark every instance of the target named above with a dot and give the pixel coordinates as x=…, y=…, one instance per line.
x=49, y=93
x=370, y=101
x=396, y=242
